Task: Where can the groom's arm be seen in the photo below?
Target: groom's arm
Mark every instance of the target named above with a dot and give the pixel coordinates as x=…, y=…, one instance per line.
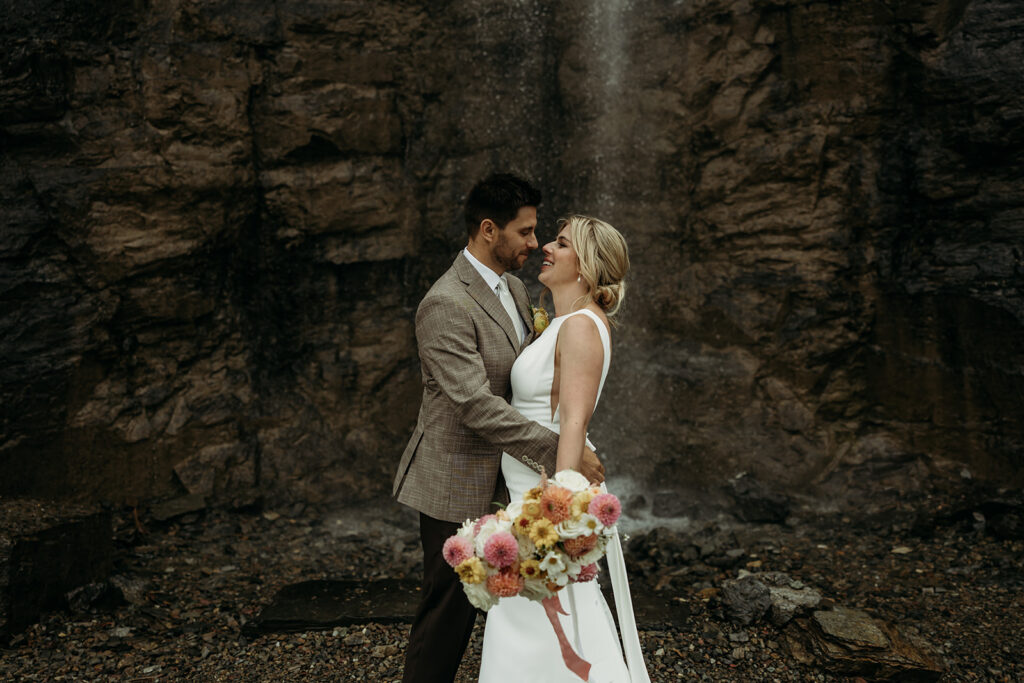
x=448, y=350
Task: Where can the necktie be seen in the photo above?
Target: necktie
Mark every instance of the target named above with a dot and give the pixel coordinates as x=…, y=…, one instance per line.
x=505, y=296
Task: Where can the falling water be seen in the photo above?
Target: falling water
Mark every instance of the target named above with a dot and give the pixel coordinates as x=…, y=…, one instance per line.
x=607, y=28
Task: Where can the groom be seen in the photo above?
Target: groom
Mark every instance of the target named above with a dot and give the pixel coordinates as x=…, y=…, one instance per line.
x=470, y=327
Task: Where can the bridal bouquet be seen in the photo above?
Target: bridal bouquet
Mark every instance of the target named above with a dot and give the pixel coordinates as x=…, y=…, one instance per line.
x=536, y=546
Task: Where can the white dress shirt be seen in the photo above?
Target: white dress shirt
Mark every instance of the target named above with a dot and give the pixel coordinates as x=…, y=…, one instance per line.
x=492, y=279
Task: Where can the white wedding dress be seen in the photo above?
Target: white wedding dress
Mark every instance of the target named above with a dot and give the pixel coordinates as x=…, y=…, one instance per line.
x=519, y=640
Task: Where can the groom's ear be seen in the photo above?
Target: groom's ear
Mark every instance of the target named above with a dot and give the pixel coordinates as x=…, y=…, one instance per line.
x=488, y=230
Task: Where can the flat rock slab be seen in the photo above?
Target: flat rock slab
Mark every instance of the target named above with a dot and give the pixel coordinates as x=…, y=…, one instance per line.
x=654, y=611
x=851, y=628
x=47, y=550
x=852, y=643
x=317, y=605
x=176, y=507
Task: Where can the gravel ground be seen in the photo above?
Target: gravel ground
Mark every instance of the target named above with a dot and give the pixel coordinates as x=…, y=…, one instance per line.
x=194, y=583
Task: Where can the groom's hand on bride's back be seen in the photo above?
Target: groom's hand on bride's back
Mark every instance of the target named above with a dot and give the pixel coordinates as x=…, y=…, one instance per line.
x=591, y=467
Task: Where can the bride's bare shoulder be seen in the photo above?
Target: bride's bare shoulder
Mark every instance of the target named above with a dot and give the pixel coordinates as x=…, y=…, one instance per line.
x=580, y=330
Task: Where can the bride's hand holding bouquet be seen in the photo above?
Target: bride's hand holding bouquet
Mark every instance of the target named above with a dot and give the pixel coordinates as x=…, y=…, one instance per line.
x=536, y=546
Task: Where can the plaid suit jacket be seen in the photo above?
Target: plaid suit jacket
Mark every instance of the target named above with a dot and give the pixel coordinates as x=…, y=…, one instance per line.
x=451, y=467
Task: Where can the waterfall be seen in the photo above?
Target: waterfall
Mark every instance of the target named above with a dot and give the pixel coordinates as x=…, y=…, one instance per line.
x=606, y=39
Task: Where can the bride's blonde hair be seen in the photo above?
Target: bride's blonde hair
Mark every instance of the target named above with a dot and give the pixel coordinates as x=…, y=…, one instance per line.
x=603, y=259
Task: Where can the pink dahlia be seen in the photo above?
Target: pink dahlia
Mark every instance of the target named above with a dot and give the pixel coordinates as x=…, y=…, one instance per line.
x=588, y=573
x=606, y=508
x=580, y=545
x=556, y=504
x=457, y=550
x=505, y=584
x=480, y=522
x=501, y=549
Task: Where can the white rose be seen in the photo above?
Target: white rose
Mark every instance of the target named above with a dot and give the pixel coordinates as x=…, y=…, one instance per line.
x=573, y=567
x=479, y=596
x=571, y=528
x=526, y=546
x=535, y=589
x=593, y=556
x=572, y=480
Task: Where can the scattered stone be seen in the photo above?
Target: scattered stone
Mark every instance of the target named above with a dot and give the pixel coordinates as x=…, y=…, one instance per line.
x=755, y=502
x=786, y=598
x=99, y=595
x=132, y=588
x=746, y=599
x=789, y=602
x=176, y=507
x=739, y=637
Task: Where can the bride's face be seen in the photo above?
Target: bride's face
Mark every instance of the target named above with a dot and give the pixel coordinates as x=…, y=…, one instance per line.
x=560, y=263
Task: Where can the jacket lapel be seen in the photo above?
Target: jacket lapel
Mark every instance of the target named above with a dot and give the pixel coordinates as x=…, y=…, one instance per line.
x=488, y=300
x=523, y=304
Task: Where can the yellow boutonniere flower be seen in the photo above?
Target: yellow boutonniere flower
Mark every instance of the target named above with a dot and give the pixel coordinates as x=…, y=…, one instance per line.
x=540, y=318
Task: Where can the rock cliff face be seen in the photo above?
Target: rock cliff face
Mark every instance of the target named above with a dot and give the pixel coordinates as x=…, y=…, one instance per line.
x=218, y=219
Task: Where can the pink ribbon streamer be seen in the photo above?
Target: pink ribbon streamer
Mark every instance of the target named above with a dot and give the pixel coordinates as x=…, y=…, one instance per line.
x=573, y=662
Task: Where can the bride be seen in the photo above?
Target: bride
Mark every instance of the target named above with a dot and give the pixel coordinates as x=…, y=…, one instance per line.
x=557, y=381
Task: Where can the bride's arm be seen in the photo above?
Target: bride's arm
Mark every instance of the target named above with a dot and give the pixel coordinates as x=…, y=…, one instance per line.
x=580, y=358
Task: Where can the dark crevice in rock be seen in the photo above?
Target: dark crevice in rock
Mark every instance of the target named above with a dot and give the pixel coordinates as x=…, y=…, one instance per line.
x=316, y=150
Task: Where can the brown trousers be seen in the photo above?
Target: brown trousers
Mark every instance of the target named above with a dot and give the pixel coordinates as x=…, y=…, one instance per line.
x=444, y=620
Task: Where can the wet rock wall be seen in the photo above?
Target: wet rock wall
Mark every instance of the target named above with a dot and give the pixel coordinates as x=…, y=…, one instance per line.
x=219, y=217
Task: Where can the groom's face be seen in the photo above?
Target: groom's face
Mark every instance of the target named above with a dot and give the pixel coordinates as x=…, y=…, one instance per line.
x=517, y=239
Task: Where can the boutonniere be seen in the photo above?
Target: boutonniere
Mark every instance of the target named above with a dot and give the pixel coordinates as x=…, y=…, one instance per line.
x=540, y=318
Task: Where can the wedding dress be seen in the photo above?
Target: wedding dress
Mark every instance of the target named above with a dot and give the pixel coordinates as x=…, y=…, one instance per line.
x=519, y=640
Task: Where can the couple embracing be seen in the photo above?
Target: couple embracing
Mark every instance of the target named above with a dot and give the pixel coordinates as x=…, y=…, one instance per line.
x=471, y=447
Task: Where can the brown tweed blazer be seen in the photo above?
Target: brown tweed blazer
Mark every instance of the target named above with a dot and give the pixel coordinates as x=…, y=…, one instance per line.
x=451, y=468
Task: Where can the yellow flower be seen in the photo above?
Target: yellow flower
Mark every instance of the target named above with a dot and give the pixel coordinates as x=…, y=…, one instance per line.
x=531, y=510
x=471, y=570
x=543, y=533
x=540, y=319
x=533, y=495
x=530, y=569
x=580, y=502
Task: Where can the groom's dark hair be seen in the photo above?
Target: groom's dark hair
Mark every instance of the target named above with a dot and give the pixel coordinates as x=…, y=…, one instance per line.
x=498, y=197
